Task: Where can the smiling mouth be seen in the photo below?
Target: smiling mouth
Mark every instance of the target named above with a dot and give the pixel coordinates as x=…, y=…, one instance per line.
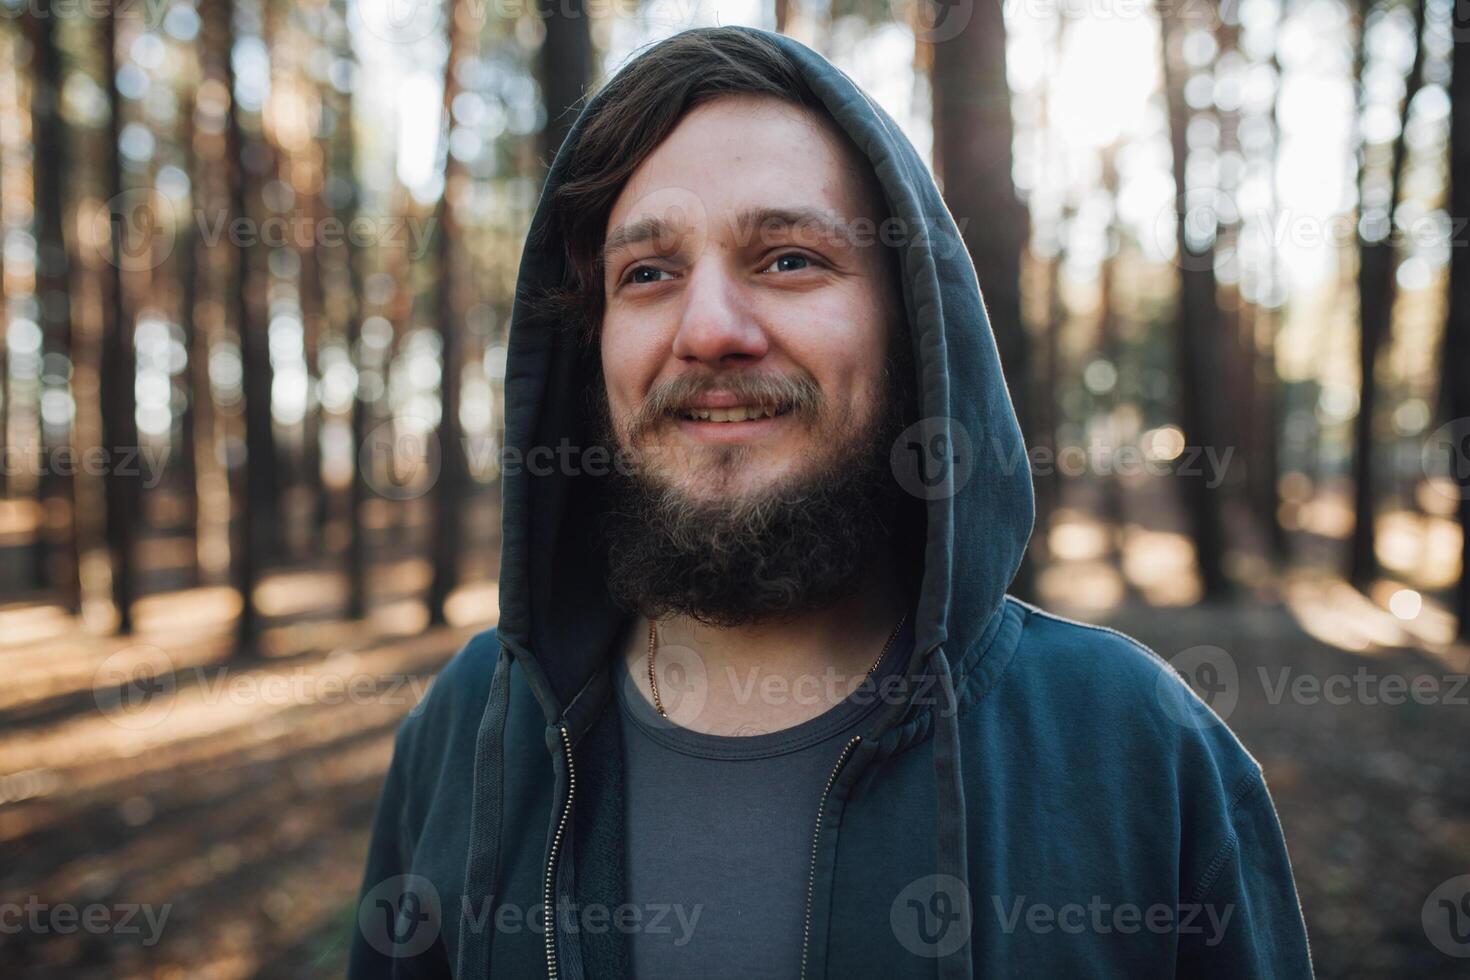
x=739, y=413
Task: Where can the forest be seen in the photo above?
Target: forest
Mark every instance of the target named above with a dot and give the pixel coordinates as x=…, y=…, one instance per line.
x=257, y=267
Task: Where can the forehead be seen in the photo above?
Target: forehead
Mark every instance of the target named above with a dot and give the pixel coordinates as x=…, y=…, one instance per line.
x=736, y=153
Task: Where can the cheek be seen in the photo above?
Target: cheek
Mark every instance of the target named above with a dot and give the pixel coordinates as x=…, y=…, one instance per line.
x=629, y=366
x=842, y=340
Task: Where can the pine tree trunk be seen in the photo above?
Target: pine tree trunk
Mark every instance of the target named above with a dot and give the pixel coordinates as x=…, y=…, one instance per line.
x=1457, y=323
x=564, y=68
x=252, y=488
x=1197, y=333
x=195, y=422
x=450, y=488
x=119, y=371
x=1377, y=267
x=55, y=554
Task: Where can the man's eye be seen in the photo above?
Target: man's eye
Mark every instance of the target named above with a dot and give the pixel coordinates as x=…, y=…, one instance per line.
x=646, y=273
x=790, y=262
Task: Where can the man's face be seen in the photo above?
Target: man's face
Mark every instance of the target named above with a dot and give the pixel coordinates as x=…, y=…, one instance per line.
x=743, y=275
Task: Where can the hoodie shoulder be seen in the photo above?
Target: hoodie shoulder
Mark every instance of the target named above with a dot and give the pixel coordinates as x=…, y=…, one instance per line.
x=448, y=715
x=1110, y=691
x=1097, y=711
x=1165, y=783
x=436, y=742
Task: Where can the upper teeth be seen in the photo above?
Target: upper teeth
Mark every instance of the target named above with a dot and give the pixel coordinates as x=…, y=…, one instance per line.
x=738, y=414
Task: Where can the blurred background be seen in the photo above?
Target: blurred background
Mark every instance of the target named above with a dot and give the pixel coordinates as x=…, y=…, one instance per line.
x=258, y=260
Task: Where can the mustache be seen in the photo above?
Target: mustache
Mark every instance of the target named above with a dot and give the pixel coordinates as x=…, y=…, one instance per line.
x=798, y=392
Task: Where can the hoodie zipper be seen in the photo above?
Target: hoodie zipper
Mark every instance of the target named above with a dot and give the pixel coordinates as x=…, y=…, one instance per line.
x=811, y=881
x=561, y=826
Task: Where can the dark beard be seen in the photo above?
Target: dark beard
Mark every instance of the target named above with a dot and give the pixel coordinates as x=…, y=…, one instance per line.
x=801, y=546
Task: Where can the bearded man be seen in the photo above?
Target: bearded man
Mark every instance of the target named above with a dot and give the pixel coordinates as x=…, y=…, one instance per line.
x=757, y=704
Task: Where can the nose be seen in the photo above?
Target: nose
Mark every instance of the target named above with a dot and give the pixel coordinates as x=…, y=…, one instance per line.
x=716, y=326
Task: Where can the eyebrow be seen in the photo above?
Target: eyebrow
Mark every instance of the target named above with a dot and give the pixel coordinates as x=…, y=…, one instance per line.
x=635, y=233
x=749, y=221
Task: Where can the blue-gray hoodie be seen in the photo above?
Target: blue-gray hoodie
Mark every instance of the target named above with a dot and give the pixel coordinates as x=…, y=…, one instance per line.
x=1052, y=801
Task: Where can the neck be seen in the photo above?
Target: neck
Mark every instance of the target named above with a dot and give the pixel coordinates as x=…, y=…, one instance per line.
x=768, y=676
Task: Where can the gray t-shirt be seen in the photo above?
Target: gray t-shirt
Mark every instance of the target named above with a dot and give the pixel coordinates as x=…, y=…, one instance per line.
x=719, y=833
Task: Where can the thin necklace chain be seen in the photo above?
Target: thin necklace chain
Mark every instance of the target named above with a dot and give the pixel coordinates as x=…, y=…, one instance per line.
x=653, y=648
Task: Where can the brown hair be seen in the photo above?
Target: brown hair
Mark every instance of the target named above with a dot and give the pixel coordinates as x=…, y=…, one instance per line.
x=637, y=110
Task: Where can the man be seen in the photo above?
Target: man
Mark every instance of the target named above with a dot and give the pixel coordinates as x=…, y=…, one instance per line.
x=757, y=704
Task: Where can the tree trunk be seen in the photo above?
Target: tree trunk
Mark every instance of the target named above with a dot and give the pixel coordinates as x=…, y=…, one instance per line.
x=195, y=423
x=1377, y=266
x=313, y=325
x=252, y=488
x=1197, y=332
x=1045, y=405
x=344, y=162
x=1457, y=323
x=1111, y=347
x=564, y=67
x=1265, y=474
x=450, y=488
x=55, y=557
x=119, y=371
x=1235, y=321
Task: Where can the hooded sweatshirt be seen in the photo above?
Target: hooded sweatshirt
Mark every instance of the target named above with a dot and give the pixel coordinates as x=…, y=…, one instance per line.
x=1051, y=799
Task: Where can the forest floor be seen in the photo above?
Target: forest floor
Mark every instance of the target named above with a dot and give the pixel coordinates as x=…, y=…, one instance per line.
x=216, y=829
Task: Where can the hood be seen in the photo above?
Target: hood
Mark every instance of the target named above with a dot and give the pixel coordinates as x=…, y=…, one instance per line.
x=557, y=621
x=555, y=614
